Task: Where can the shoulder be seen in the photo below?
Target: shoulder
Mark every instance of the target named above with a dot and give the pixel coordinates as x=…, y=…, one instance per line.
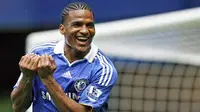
x=44, y=48
x=104, y=70
x=103, y=60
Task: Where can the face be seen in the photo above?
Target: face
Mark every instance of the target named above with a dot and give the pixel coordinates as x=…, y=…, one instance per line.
x=78, y=30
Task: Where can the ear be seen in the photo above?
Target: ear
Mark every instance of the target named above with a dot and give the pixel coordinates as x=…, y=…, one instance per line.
x=62, y=29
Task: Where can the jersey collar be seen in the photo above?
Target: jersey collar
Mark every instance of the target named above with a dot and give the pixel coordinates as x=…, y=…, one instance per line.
x=59, y=49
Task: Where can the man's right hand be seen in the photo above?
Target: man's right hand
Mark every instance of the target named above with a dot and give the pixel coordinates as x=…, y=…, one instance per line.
x=28, y=65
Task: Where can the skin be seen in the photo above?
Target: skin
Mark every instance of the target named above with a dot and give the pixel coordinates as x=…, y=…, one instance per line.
x=78, y=30
x=79, y=23
x=22, y=96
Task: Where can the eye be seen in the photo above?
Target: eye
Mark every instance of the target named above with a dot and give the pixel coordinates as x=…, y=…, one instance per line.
x=76, y=24
x=90, y=25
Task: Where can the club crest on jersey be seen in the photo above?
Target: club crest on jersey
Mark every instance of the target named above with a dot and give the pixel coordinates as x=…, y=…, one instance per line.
x=80, y=84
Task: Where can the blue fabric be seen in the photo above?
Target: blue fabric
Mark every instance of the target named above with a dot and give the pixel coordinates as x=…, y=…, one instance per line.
x=86, y=83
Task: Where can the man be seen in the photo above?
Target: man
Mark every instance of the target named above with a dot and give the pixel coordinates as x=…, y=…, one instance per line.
x=71, y=75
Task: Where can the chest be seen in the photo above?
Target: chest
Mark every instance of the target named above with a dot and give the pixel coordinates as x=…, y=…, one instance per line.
x=74, y=78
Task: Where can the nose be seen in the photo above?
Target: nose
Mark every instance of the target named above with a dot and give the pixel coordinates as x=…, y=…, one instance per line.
x=84, y=30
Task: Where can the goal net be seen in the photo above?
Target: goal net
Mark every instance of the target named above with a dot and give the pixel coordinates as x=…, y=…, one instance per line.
x=157, y=59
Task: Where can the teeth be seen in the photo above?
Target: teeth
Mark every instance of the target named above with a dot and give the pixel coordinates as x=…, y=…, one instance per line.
x=82, y=38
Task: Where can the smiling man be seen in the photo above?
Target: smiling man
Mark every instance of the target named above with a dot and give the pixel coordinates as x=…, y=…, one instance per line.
x=71, y=75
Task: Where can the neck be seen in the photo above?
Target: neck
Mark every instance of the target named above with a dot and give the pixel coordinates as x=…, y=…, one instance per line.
x=73, y=54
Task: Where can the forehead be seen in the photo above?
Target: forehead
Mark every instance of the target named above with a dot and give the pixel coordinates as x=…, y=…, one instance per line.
x=80, y=15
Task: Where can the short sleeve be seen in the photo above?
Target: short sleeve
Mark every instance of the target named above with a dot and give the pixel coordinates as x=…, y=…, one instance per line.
x=97, y=92
x=20, y=77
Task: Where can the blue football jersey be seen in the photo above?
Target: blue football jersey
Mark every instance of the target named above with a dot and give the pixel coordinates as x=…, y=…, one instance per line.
x=87, y=81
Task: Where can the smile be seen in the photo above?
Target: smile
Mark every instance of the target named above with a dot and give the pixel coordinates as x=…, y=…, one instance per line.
x=82, y=39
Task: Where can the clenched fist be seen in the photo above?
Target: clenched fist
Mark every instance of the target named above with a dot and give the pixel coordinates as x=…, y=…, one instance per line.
x=46, y=66
x=28, y=64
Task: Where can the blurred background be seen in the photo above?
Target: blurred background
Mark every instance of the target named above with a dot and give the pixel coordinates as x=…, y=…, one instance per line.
x=20, y=18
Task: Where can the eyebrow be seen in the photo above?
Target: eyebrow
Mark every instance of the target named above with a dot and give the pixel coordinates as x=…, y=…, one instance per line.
x=78, y=21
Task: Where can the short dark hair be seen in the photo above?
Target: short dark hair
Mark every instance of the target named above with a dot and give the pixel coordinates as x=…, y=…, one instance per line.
x=74, y=6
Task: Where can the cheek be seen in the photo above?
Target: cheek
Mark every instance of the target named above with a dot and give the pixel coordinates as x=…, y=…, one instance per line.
x=69, y=39
x=92, y=32
x=71, y=35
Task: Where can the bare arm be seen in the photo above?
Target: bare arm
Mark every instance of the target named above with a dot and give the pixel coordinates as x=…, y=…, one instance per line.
x=46, y=68
x=22, y=95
